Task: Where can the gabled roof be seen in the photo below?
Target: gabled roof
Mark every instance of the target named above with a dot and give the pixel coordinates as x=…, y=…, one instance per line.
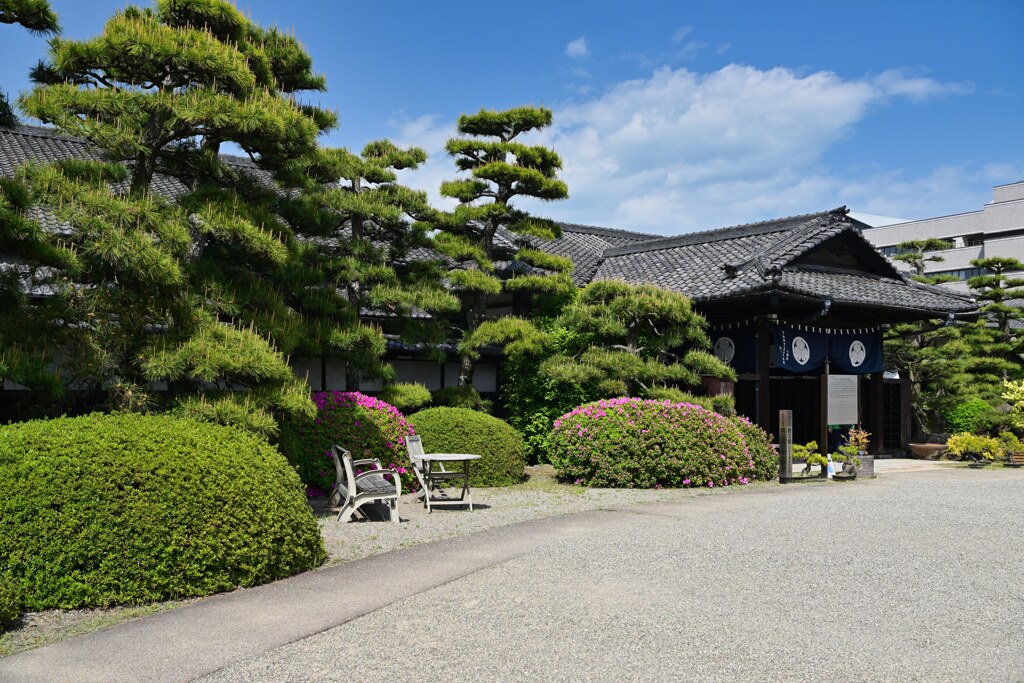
x=781, y=255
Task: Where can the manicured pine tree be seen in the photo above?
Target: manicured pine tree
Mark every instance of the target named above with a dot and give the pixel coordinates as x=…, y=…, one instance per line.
x=490, y=238
x=162, y=89
x=947, y=364
x=38, y=17
x=1002, y=282
x=916, y=253
x=365, y=253
x=640, y=340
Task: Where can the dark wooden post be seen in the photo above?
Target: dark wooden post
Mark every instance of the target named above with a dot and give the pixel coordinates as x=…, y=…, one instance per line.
x=876, y=395
x=823, y=443
x=764, y=349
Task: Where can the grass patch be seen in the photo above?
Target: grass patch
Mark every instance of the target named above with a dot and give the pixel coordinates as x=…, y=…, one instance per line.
x=35, y=629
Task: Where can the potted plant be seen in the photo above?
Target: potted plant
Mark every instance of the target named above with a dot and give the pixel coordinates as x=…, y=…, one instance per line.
x=809, y=454
x=854, y=454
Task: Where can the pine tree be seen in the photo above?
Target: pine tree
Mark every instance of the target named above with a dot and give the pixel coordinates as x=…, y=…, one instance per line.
x=996, y=288
x=38, y=17
x=165, y=87
x=159, y=296
x=916, y=254
x=490, y=238
x=366, y=254
x=639, y=339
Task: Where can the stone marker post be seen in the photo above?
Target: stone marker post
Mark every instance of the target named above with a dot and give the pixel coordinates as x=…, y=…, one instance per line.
x=785, y=446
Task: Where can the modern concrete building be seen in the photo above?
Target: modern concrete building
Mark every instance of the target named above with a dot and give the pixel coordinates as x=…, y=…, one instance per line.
x=997, y=229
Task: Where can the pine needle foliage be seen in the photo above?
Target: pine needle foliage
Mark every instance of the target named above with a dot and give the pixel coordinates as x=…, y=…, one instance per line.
x=364, y=251
x=38, y=17
x=163, y=88
x=639, y=338
x=501, y=169
x=916, y=254
x=126, y=313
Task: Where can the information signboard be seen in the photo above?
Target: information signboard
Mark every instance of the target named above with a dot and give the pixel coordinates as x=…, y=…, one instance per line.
x=842, y=400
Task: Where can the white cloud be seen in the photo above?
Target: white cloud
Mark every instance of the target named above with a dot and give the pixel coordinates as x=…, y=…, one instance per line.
x=681, y=150
x=577, y=49
x=681, y=33
x=901, y=82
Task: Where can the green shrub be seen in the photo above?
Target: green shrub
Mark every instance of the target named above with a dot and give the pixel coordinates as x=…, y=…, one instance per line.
x=762, y=451
x=1010, y=442
x=405, y=396
x=107, y=509
x=636, y=443
x=972, y=415
x=461, y=397
x=365, y=426
x=986, y=446
x=10, y=600
x=458, y=430
x=723, y=404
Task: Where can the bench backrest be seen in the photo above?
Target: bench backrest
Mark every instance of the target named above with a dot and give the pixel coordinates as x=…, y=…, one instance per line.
x=415, y=445
x=343, y=474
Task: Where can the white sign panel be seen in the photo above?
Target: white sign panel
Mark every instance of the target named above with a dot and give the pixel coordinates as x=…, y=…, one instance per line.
x=842, y=400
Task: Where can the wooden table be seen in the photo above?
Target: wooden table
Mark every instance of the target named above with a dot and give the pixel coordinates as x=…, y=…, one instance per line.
x=432, y=476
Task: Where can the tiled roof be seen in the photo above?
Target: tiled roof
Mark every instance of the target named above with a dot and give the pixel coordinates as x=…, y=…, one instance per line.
x=759, y=257
x=22, y=144
x=585, y=246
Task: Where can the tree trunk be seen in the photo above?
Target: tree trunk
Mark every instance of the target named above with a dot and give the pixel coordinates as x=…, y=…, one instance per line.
x=474, y=316
x=142, y=175
x=145, y=159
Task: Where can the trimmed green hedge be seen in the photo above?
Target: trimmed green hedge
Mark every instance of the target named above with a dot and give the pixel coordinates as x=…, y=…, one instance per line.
x=114, y=509
x=10, y=601
x=460, y=430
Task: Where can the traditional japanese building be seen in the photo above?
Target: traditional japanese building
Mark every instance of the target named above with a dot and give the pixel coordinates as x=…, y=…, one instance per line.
x=791, y=303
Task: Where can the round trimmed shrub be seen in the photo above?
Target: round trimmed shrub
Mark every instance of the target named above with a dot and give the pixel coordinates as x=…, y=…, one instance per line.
x=10, y=601
x=122, y=509
x=971, y=415
x=365, y=426
x=637, y=443
x=460, y=397
x=763, y=453
x=460, y=430
x=405, y=396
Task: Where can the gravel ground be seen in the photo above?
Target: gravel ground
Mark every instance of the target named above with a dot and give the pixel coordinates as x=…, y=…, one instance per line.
x=909, y=578
x=539, y=497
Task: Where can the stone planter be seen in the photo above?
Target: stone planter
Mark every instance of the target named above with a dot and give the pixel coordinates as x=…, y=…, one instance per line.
x=928, y=451
x=866, y=468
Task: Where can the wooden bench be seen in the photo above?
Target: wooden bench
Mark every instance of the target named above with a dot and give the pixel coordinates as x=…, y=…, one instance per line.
x=1014, y=459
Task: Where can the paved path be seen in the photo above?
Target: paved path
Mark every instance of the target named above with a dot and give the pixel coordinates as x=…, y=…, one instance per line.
x=906, y=577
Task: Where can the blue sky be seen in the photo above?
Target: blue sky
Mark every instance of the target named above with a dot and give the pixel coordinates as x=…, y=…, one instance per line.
x=671, y=116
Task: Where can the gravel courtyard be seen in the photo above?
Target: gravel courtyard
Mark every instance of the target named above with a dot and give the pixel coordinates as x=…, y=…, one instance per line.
x=914, y=576
x=910, y=577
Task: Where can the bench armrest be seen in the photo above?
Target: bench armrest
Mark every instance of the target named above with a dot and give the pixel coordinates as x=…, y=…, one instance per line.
x=367, y=461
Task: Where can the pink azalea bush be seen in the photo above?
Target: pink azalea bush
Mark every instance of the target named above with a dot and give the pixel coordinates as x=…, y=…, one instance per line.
x=762, y=451
x=366, y=426
x=637, y=443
